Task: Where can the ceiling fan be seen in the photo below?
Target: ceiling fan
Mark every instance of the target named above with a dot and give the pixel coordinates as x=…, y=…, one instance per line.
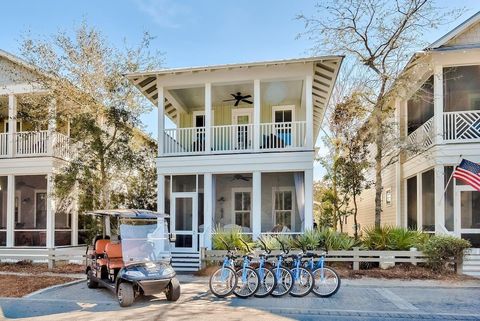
x=240, y=176
x=238, y=97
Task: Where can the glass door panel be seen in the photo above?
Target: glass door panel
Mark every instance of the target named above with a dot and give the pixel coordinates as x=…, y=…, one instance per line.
x=184, y=220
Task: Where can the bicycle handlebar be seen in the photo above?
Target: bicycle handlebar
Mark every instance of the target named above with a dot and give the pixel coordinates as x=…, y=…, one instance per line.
x=249, y=250
x=286, y=251
x=265, y=247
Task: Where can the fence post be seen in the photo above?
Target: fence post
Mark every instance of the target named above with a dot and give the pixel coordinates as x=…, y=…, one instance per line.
x=51, y=259
x=356, y=257
x=202, y=258
x=413, y=256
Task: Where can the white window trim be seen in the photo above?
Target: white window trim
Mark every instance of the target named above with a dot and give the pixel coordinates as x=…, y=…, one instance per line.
x=242, y=112
x=239, y=190
x=37, y=191
x=281, y=108
x=388, y=190
x=294, y=204
x=201, y=113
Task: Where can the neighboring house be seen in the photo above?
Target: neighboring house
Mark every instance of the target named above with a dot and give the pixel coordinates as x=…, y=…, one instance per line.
x=30, y=153
x=238, y=146
x=441, y=115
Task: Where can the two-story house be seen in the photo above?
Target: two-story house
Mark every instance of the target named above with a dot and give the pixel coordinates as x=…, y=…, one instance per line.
x=441, y=114
x=236, y=145
x=31, y=150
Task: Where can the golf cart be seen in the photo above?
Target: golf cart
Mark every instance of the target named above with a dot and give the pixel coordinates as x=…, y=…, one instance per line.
x=135, y=260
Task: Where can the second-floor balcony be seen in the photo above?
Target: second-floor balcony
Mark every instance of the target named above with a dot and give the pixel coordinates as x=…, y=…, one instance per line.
x=34, y=144
x=236, y=138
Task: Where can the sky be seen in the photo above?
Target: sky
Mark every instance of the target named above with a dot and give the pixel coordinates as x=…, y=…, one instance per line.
x=188, y=32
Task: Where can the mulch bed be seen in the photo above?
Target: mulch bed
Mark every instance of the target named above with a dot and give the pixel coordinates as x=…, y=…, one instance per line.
x=18, y=286
x=400, y=271
x=36, y=268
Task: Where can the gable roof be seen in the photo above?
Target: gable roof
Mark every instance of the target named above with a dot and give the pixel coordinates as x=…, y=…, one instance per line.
x=455, y=32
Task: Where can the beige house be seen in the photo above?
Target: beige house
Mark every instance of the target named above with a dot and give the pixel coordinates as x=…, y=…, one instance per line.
x=442, y=115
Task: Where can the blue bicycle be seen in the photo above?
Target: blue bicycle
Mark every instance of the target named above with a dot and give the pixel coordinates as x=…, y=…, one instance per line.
x=248, y=280
x=326, y=280
x=224, y=280
x=283, y=276
x=268, y=281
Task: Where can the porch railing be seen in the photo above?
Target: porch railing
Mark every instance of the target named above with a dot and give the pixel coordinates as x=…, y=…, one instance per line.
x=36, y=143
x=461, y=126
x=422, y=137
x=282, y=135
x=184, y=140
x=232, y=137
x=235, y=138
x=31, y=143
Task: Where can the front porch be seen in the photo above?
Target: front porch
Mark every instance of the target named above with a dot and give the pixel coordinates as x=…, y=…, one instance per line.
x=255, y=202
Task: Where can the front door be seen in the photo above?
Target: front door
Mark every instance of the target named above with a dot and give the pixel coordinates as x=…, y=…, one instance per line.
x=184, y=221
x=467, y=213
x=242, y=135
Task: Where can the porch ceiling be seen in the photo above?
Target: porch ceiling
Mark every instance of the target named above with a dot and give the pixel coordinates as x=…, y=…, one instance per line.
x=325, y=71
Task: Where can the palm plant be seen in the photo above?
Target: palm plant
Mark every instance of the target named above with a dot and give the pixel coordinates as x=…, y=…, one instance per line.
x=232, y=237
x=310, y=240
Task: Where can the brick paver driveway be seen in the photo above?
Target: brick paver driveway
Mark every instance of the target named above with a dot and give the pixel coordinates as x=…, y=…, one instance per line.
x=356, y=300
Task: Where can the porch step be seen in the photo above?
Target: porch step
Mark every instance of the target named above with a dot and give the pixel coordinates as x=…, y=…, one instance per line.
x=471, y=263
x=186, y=261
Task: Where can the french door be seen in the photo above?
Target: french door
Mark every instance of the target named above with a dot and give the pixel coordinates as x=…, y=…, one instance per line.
x=184, y=221
x=467, y=213
x=242, y=135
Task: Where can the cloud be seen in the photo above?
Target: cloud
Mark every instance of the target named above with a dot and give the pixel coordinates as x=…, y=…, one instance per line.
x=165, y=13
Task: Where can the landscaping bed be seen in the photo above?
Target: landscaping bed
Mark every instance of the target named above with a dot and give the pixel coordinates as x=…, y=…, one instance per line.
x=19, y=286
x=37, y=268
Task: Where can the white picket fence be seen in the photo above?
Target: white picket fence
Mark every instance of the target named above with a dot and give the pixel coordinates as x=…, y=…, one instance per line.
x=74, y=254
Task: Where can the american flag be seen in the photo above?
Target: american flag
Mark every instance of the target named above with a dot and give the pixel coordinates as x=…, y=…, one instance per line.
x=469, y=172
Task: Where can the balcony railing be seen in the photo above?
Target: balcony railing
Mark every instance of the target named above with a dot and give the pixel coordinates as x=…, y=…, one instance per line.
x=35, y=143
x=461, y=126
x=236, y=138
x=423, y=136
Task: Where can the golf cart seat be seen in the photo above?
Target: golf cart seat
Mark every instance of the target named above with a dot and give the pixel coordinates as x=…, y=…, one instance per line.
x=100, y=246
x=114, y=258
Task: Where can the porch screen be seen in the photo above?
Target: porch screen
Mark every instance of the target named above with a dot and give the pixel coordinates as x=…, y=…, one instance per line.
x=461, y=88
x=3, y=210
x=420, y=106
x=412, y=203
x=300, y=194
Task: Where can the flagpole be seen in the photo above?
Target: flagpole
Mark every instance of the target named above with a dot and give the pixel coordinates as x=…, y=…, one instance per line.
x=448, y=182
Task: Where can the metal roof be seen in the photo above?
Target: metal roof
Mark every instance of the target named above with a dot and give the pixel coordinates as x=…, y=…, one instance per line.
x=456, y=31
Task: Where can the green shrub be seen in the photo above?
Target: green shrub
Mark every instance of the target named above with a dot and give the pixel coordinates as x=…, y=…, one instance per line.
x=310, y=240
x=386, y=238
x=233, y=237
x=442, y=250
x=333, y=240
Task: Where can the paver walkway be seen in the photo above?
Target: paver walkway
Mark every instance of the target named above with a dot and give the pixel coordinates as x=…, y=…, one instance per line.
x=357, y=300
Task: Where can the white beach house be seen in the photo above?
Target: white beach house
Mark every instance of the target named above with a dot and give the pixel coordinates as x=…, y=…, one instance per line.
x=238, y=147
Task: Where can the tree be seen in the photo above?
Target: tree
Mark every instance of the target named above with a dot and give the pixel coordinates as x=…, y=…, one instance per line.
x=381, y=35
x=349, y=117
x=84, y=76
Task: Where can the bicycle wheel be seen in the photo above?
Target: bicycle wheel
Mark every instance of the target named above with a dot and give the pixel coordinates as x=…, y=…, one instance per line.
x=223, y=282
x=284, y=282
x=303, y=282
x=247, y=284
x=327, y=284
x=268, y=282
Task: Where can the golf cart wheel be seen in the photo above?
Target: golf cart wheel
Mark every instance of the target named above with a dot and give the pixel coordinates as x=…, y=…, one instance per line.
x=173, y=290
x=125, y=294
x=91, y=284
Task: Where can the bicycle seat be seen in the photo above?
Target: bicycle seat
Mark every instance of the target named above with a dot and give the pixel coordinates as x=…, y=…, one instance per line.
x=310, y=254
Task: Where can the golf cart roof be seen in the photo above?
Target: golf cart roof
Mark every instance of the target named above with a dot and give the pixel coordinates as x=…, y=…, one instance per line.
x=128, y=213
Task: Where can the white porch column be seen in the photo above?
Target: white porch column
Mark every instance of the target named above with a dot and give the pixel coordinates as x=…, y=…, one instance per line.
x=309, y=111
x=438, y=104
x=50, y=212
x=161, y=118
x=12, y=123
x=161, y=193
x=308, y=218
x=74, y=222
x=208, y=209
x=52, y=126
x=439, y=199
x=208, y=117
x=257, y=112
x=419, y=203
x=398, y=166
x=10, y=210
x=256, y=204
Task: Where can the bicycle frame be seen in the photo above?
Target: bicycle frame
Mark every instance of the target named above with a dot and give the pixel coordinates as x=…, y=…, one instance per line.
x=246, y=263
x=320, y=264
x=261, y=264
x=297, y=261
x=227, y=262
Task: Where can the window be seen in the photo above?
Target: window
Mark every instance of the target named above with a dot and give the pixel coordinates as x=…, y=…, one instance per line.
x=283, y=208
x=412, y=203
x=420, y=106
x=428, y=201
x=242, y=207
x=283, y=114
x=388, y=197
x=461, y=88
